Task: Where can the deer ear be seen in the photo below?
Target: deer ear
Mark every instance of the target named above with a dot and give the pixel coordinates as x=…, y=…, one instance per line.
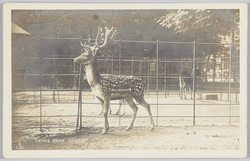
x=94, y=52
x=83, y=45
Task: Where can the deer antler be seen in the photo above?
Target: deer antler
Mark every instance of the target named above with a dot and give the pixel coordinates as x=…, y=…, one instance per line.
x=107, y=33
x=83, y=45
x=86, y=48
x=98, y=33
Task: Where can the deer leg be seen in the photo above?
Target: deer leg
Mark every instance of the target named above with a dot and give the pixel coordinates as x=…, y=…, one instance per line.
x=105, y=113
x=101, y=102
x=181, y=92
x=131, y=103
x=185, y=93
x=110, y=111
x=141, y=101
x=118, y=111
x=190, y=89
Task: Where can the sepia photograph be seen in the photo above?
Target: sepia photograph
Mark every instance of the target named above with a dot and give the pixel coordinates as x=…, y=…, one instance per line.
x=125, y=80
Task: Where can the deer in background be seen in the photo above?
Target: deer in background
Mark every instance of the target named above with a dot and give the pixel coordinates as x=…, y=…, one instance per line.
x=119, y=111
x=186, y=82
x=111, y=87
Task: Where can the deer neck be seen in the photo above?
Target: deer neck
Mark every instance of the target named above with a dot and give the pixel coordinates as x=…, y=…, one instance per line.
x=92, y=74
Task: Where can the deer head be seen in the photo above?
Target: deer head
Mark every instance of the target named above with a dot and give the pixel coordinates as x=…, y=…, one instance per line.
x=88, y=53
x=196, y=71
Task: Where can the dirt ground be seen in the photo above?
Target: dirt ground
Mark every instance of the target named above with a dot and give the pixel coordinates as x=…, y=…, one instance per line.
x=174, y=132
x=139, y=138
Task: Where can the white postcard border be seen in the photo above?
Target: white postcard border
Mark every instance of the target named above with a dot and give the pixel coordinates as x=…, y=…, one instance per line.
x=9, y=153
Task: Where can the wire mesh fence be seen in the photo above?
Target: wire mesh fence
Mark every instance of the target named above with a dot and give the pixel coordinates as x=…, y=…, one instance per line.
x=52, y=79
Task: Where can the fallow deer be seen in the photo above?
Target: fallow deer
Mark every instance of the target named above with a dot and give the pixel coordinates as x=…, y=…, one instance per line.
x=186, y=82
x=111, y=87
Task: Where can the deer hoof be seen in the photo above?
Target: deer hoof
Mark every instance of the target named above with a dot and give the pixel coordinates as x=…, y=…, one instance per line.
x=104, y=132
x=128, y=128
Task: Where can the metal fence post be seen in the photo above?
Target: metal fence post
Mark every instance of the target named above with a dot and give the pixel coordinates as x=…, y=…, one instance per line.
x=54, y=79
x=221, y=78
x=79, y=110
x=180, y=70
x=157, y=80
x=165, y=79
x=75, y=86
x=194, y=77
x=148, y=75
x=120, y=53
x=112, y=70
x=132, y=67
x=229, y=90
x=34, y=96
x=40, y=77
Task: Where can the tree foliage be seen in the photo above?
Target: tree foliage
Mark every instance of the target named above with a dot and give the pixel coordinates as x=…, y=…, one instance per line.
x=200, y=24
x=214, y=26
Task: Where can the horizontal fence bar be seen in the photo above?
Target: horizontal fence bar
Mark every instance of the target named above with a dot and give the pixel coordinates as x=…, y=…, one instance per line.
x=93, y=103
x=68, y=127
x=62, y=38
x=44, y=127
x=142, y=76
x=150, y=92
x=143, y=41
x=51, y=90
x=115, y=116
x=46, y=116
x=48, y=58
x=46, y=74
x=135, y=59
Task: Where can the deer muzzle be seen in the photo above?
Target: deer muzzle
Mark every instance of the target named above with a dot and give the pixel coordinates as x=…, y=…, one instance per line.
x=82, y=59
x=75, y=60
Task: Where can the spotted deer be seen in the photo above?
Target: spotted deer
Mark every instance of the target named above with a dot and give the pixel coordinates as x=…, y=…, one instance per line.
x=111, y=87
